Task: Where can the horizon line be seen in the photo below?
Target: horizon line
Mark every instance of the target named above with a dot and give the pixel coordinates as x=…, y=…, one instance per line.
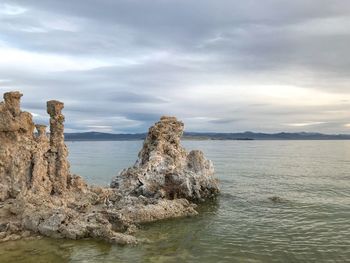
x=196, y=132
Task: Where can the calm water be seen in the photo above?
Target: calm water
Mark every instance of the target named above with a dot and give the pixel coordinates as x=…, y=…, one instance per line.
x=243, y=225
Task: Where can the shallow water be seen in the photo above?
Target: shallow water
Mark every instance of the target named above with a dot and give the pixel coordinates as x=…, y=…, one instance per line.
x=311, y=224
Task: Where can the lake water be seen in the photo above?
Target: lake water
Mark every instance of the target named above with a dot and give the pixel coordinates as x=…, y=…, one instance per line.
x=243, y=225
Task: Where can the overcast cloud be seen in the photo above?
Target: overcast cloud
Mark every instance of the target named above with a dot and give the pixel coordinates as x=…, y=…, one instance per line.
x=221, y=66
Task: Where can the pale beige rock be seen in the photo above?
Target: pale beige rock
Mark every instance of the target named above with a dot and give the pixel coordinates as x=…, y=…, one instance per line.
x=12, y=102
x=165, y=170
x=57, y=155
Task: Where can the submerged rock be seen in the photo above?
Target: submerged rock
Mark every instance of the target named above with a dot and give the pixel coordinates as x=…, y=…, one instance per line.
x=40, y=196
x=277, y=199
x=165, y=170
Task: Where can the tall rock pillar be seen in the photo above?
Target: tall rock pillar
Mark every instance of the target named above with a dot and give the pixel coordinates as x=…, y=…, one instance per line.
x=58, y=163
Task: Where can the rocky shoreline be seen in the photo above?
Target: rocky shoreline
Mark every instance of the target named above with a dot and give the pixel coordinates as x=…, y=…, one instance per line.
x=40, y=197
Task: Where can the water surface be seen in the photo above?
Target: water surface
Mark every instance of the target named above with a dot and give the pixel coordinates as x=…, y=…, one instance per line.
x=312, y=224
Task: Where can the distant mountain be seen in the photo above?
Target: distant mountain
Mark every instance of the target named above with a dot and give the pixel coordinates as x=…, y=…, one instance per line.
x=98, y=136
x=267, y=136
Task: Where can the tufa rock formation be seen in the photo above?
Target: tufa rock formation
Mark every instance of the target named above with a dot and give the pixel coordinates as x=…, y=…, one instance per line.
x=29, y=162
x=165, y=170
x=39, y=195
x=58, y=164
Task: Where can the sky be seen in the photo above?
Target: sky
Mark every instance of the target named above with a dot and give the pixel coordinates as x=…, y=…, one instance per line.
x=219, y=66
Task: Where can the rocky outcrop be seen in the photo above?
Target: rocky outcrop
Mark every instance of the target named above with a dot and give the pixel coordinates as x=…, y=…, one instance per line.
x=29, y=162
x=39, y=195
x=165, y=170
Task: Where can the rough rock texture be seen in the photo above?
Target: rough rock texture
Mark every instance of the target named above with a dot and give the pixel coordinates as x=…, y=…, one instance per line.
x=39, y=195
x=17, y=147
x=58, y=164
x=165, y=170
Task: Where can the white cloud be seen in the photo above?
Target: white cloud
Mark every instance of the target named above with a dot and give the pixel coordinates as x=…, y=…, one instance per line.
x=305, y=124
x=18, y=59
x=100, y=128
x=278, y=95
x=11, y=10
x=323, y=26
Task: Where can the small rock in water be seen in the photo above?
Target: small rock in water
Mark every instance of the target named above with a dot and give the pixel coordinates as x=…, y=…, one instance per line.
x=276, y=199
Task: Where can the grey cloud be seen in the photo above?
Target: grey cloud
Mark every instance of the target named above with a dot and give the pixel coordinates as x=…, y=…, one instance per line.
x=132, y=97
x=223, y=121
x=150, y=117
x=34, y=105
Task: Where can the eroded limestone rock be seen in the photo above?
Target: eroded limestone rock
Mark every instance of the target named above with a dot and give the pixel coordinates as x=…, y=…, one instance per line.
x=58, y=163
x=39, y=195
x=165, y=170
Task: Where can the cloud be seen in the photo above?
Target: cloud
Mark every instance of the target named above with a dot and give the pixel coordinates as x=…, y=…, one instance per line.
x=32, y=61
x=132, y=97
x=11, y=10
x=304, y=124
x=223, y=121
x=223, y=65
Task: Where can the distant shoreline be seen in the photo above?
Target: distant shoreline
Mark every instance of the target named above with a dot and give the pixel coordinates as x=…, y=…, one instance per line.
x=245, y=136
